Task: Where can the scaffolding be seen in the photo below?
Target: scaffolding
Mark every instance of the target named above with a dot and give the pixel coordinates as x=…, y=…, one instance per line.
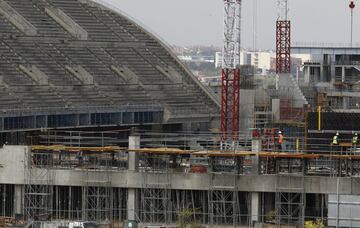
x=68, y=203
x=156, y=194
x=221, y=204
x=93, y=200
x=97, y=191
x=223, y=196
x=290, y=202
x=39, y=178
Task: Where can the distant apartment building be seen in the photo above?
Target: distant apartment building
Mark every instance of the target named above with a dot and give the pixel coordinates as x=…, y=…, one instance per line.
x=265, y=61
x=334, y=75
x=185, y=58
x=261, y=60
x=219, y=58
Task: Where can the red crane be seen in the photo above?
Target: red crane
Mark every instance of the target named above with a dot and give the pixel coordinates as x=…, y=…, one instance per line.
x=283, y=41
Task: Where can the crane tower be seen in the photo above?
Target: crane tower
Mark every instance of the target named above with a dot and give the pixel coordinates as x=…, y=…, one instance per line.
x=283, y=42
x=230, y=74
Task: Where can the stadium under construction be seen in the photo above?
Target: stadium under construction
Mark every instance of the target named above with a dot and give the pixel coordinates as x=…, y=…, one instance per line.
x=100, y=122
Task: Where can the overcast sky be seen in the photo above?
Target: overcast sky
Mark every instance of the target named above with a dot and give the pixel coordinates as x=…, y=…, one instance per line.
x=199, y=22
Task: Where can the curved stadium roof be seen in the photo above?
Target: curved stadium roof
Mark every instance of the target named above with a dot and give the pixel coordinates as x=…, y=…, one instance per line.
x=64, y=57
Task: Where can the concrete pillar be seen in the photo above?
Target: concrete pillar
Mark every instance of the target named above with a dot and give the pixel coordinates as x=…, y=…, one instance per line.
x=18, y=199
x=255, y=207
x=322, y=77
x=346, y=102
x=275, y=108
x=306, y=74
x=255, y=147
x=343, y=74
x=131, y=204
x=332, y=74
x=297, y=74
x=134, y=143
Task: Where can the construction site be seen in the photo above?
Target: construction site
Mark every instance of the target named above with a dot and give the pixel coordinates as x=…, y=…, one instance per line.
x=101, y=125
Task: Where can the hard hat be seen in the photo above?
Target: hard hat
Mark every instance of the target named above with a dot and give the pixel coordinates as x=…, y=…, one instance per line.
x=279, y=132
x=337, y=133
x=355, y=133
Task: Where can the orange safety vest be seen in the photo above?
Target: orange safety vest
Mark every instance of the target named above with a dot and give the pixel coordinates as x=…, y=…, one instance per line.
x=281, y=138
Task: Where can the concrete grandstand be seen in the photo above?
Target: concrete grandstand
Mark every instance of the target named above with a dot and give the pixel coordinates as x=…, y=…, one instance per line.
x=76, y=63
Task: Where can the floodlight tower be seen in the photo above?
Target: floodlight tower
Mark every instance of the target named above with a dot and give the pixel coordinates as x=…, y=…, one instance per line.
x=283, y=42
x=230, y=73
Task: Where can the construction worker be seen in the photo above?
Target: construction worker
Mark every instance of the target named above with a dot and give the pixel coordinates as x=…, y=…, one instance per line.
x=354, y=142
x=280, y=141
x=335, y=143
x=335, y=140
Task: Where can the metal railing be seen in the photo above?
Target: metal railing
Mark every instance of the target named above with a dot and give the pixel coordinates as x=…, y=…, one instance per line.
x=84, y=109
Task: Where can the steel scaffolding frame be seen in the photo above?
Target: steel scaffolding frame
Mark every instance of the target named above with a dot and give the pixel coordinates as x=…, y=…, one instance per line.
x=156, y=194
x=97, y=191
x=223, y=198
x=119, y=204
x=193, y=202
x=39, y=185
x=290, y=202
x=68, y=202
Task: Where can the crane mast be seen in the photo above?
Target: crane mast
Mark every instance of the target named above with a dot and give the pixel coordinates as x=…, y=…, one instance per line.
x=283, y=41
x=230, y=73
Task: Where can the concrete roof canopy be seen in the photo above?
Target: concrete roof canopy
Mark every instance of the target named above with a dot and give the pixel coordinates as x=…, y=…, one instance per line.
x=62, y=56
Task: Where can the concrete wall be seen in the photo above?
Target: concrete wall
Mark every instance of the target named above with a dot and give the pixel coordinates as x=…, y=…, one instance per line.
x=247, y=109
x=344, y=210
x=12, y=163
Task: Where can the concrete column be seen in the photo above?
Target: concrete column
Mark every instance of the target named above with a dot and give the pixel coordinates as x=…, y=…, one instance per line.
x=346, y=102
x=343, y=74
x=322, y=77
x=255, y=207
x=332, y=74
x=18, y=199
x=131, y=204
x=275, y=108
x=306, y=74
x=255, y=147
x=297, y=74
x=134, y=143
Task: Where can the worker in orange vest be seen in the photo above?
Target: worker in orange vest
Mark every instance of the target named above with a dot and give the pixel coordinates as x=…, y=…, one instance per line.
x=280, y=141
